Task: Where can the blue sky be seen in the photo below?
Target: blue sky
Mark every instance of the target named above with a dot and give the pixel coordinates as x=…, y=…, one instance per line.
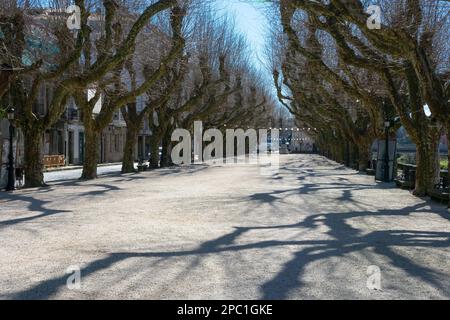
x=250, y=21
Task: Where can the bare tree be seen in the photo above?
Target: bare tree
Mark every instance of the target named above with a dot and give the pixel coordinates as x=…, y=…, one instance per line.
x=402, y=57
x=56, y=57
x=117, y=93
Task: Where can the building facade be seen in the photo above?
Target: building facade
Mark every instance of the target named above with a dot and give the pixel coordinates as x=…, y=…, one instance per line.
x=66, y=139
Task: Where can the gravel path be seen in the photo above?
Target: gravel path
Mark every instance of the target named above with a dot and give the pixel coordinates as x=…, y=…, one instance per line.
x=309, y=232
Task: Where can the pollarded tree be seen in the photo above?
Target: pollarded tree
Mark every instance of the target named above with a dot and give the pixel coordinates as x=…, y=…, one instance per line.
x=55, y=50
x=134, y=117
x=205, y=87
x=184, y=110
x=311, y=69
x=390, y=54
x=120, y=88
x=410, y=52
x=249, y=107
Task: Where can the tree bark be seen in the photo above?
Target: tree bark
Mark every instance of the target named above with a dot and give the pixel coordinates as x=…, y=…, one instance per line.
x=166, y=149
x=128, y=150
x=363, y=156
x=341, y=151
x=154, y=150
x=91, y=154
x=352, y=154
x=33, y=166
x=427, y=160
x=448, y=157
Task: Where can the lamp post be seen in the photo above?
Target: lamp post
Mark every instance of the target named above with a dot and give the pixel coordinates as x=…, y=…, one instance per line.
x=11, y=174
x=387, y=178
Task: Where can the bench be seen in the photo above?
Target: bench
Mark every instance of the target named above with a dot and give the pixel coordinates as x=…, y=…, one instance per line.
x=441, y=190
x=54, y=161
x=444, y=179
x=407, y=177
x=439, y=195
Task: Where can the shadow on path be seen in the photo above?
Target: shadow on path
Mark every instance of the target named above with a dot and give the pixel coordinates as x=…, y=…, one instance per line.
x=35, y=205
x=342, y=238
x=346, y=239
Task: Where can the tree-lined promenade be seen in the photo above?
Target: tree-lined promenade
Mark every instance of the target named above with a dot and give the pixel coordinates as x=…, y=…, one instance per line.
x=184, y=62
x=217, y=217
x=350, y=72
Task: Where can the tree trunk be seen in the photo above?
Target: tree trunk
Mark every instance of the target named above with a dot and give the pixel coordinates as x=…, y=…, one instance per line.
x=91, y=154
x=427, y=160
x=154, y=150
x=363, y=157
x=448, y=158
x=347, y=154
x=128, y=150
x=166, y=149
x=33, y=166
x=341, y=152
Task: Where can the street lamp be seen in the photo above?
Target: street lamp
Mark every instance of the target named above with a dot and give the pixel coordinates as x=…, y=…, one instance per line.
x=11, y=174
x=387, y=125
